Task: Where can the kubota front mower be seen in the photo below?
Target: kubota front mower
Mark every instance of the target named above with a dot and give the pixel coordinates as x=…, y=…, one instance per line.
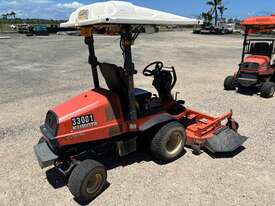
x=112, y=121
x=257, y=67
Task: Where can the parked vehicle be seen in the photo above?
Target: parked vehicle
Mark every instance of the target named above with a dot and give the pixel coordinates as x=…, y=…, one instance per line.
x=23, y=28
x=209, y=28
x=116, y=120
x=38, y=30
x=257, y=67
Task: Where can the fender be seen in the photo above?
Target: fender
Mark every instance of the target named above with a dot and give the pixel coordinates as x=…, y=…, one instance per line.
x=162, y=118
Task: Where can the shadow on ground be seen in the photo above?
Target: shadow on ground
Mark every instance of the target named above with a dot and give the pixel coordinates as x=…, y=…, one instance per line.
x=250, y=91
x=225, y=155
x=58, y=180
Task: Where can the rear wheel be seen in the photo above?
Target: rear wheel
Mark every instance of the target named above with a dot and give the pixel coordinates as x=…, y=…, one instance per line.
x=222, y=32
x=87, y=180
x=212, y=30
x=268, y=90
x=168, y=143
x=41, y=140
x=228, y=83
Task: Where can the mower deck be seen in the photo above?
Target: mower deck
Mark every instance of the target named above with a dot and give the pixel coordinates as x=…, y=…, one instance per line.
x=224, y=140
x=206, y=131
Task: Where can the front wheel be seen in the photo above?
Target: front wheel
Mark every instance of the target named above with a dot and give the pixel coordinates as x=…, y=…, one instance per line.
x=168, y=143
x=268, y=90
x=87, y=180
x=228, y=83
x=41, y=140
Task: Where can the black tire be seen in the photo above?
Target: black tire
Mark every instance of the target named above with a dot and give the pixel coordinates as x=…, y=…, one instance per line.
x=267, y=90
x=212, y=30
x=228, y=83
x=83, y=175
x=41, y=140
x=168, y=143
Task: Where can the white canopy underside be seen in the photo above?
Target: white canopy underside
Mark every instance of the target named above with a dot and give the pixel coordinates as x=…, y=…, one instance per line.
x=119, y=12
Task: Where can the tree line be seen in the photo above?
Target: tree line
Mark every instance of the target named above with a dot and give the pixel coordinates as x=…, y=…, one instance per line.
x=217, y=9
x=9, y=15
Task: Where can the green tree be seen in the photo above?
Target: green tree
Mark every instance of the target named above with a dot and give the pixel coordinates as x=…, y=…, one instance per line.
x=13, y=14
x=4, y=16
x=207, y=17
x=8, y=15
x=215, y=4
x=222, y=9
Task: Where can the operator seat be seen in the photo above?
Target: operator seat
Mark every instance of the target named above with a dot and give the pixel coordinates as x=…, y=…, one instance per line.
x=163, y=83
x=117, y=82
x=114, y=79
x=261, y=48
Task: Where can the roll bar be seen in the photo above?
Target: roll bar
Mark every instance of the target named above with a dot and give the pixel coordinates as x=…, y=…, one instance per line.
x=128, y=37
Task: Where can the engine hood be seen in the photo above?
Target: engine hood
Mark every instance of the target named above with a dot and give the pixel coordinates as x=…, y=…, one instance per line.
x=80, y=104
x=261, y=60
x=92, y=115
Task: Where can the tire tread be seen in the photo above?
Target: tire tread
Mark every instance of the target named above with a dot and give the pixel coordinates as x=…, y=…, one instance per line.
x=78, y=175
x=265, y=89
x=228, y=83
x=156, y=143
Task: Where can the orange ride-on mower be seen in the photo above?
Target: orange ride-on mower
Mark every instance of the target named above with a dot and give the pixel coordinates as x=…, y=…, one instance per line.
x=112, y=121
x=257, y=67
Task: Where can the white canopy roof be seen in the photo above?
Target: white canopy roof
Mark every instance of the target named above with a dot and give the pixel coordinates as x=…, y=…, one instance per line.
x=120, y=12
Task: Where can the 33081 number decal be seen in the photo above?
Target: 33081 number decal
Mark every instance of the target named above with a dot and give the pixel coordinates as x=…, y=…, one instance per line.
x=84, y=121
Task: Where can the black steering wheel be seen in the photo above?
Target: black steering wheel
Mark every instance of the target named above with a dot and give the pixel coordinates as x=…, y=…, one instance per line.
x=158, y=67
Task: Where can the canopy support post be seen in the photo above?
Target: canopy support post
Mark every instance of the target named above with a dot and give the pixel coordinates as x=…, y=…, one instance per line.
x=89, y=41
x=126, y=43
x=244, y=43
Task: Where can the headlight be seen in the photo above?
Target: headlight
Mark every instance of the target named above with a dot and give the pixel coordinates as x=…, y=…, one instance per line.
x=52, y=122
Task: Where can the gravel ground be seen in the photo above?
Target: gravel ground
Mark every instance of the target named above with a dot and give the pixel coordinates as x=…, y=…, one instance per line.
x=37, y=73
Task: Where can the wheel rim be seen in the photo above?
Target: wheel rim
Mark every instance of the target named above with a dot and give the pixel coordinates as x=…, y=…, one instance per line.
x=174, y=142
x=94, y=183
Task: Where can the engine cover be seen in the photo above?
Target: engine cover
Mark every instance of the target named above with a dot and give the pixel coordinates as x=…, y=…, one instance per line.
x=90, y=116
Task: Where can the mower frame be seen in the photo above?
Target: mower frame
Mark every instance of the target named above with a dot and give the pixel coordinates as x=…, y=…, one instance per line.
x=108, y=126
x=200, y=128
x=126, y=39
x=247, y=42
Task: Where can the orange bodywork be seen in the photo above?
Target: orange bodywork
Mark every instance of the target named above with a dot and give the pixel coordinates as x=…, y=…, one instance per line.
x=110, y=122
x=259, y=24
x=264, y=64
x=96, y=102
x=204, y=126
x=261, y=60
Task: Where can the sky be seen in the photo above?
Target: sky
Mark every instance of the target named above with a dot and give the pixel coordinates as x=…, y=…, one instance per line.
x=53, y=9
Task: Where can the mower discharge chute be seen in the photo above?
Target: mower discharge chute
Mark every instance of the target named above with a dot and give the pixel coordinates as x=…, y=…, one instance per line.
x=116, y=120
x=257, y=67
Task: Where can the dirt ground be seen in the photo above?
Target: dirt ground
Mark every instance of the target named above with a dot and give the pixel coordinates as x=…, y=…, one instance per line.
x=37, y=73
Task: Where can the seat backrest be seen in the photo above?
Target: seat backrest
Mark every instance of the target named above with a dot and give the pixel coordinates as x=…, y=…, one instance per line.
x=115, y=79
x=261, y=48
x=163, y=84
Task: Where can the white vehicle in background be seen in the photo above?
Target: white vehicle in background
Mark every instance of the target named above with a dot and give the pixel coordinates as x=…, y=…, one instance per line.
x=208, y=28
x=13, y=27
